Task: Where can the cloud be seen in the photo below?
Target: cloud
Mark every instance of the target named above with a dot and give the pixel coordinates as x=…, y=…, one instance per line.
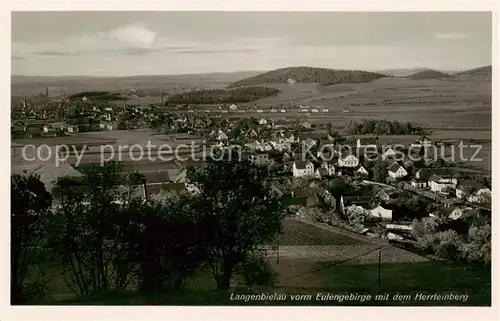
x=53, y=53
x=452, y=36
x=134, y=35
x=215, y=51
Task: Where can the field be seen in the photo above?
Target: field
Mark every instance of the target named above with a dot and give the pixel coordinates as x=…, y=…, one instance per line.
x=342, y=265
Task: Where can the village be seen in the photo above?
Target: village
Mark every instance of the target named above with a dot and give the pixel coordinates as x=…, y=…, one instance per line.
x=320, y=171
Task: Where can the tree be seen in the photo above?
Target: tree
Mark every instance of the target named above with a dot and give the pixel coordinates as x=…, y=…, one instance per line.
x=379, y=171
x=85, y=232
x=237, y=211
x=30, y=202
x=478, y=247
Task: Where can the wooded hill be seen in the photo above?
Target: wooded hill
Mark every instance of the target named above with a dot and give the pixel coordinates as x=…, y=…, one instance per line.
x=216, y=96
x=322, y=76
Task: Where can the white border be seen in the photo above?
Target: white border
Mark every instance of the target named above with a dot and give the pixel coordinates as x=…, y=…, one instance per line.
x=231, y=313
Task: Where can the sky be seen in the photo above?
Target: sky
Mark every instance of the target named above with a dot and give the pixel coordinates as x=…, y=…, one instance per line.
x=164, y=43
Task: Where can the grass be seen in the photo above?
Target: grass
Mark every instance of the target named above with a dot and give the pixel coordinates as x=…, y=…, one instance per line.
x=396, y=279
x=296, y=233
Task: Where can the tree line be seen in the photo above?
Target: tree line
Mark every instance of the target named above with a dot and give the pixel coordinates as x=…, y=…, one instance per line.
x=382, y=127
x=101, y=234
x=220, y=96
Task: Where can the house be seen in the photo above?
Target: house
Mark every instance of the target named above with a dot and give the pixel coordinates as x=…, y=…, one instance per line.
x=326, y=110
x=327, y=197
x=438, y=184
x=222, y=136
x=302, y=169
x=262, y=121
x=397, y=171
x=346, y=110
x=310, y=196
x=251, y=133
x=418, y=183
x=317, y=174
x=388, y=153
x=456, y=213
x=366, y=142
x=233, y=107
x=347, y=159
x=473, y=191
x=330, y=169
x=304, y=123
x=282, y=110
x=84, y=98
x=259, y=158
x=381, y=212
x=47, y=128
x=362, y=171
x=72, y=128
x=381, y=194
x=362, y=201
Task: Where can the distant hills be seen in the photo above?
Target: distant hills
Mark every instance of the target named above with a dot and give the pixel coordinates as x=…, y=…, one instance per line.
x=481, y=72
x=149, y=85
x=403, y=72
x=143, y=86
x=302, y=74
x=429, y=74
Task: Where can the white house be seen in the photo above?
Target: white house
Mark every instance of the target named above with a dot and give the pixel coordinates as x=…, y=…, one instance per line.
x=47, y=128
x=72, y=128
x=438, y=183
x=326, y=110
x=222, y=136
x=473, y=191
x=282, y=110
x=302, y=169
x=233, y=107
x=456, y=213
x=362, y=171
x=397, y=171
x=348, y=160
x=317, y=174
x=381, y=212
x=262, y=121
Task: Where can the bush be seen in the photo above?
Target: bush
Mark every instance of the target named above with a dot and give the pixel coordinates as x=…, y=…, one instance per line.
x=256, y=270
x=448, y=245
x=478, y=248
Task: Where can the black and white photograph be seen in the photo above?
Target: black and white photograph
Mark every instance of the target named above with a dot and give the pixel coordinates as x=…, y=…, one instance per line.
x=251, y=158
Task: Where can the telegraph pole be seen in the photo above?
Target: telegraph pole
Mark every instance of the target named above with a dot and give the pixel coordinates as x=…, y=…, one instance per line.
x=379, y=256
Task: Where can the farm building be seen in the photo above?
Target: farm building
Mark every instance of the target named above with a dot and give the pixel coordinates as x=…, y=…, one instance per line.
x=381, y=212
x=302, y=169
x=347, y=159
x=397, y=171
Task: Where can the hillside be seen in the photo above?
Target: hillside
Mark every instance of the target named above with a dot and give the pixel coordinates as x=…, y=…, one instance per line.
x=216, y=96
x=429, y=74
x=97, y=95
x=322, y=76
x=481, y=72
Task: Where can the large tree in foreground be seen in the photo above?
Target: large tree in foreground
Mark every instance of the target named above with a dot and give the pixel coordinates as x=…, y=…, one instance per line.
x=237, y=211
x=29, y=204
